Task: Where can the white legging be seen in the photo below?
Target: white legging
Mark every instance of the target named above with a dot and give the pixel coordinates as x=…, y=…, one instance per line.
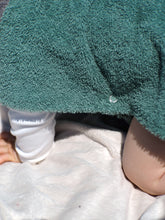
x=34, y=132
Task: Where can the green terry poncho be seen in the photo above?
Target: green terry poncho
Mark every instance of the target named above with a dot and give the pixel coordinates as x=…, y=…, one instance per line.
x=104, y=56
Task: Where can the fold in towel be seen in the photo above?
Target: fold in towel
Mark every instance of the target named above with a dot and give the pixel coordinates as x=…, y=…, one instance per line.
x=104, y=56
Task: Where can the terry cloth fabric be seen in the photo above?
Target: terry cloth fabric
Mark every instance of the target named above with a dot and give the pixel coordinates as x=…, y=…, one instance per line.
x=90, y=56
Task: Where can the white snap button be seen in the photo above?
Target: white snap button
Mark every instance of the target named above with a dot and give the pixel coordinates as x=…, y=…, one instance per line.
x=112, y=99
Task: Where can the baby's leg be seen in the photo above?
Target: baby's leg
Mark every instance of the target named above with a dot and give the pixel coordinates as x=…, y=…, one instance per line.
x=34, y=134
x=144, y=159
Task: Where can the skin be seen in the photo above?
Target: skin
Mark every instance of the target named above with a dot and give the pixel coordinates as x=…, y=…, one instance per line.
x=143, y=159
x=7, y=151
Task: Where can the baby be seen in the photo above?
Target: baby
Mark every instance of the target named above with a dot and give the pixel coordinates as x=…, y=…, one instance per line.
x=143, y=155
x=84, y=56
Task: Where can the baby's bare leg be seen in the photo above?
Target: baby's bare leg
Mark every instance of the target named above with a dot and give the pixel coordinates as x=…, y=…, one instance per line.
x=144, y=159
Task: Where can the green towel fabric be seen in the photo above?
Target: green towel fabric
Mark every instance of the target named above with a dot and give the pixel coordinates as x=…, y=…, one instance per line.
x=105, y=56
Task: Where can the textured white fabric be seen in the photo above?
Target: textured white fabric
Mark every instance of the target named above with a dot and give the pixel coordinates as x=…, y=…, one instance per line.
x=34, y=134
x=80, y=179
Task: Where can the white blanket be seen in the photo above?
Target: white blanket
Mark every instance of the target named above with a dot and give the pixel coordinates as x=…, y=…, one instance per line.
x=81, y=179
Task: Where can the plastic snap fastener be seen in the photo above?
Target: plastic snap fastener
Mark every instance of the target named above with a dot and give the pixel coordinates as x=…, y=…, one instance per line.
x=112, y=99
